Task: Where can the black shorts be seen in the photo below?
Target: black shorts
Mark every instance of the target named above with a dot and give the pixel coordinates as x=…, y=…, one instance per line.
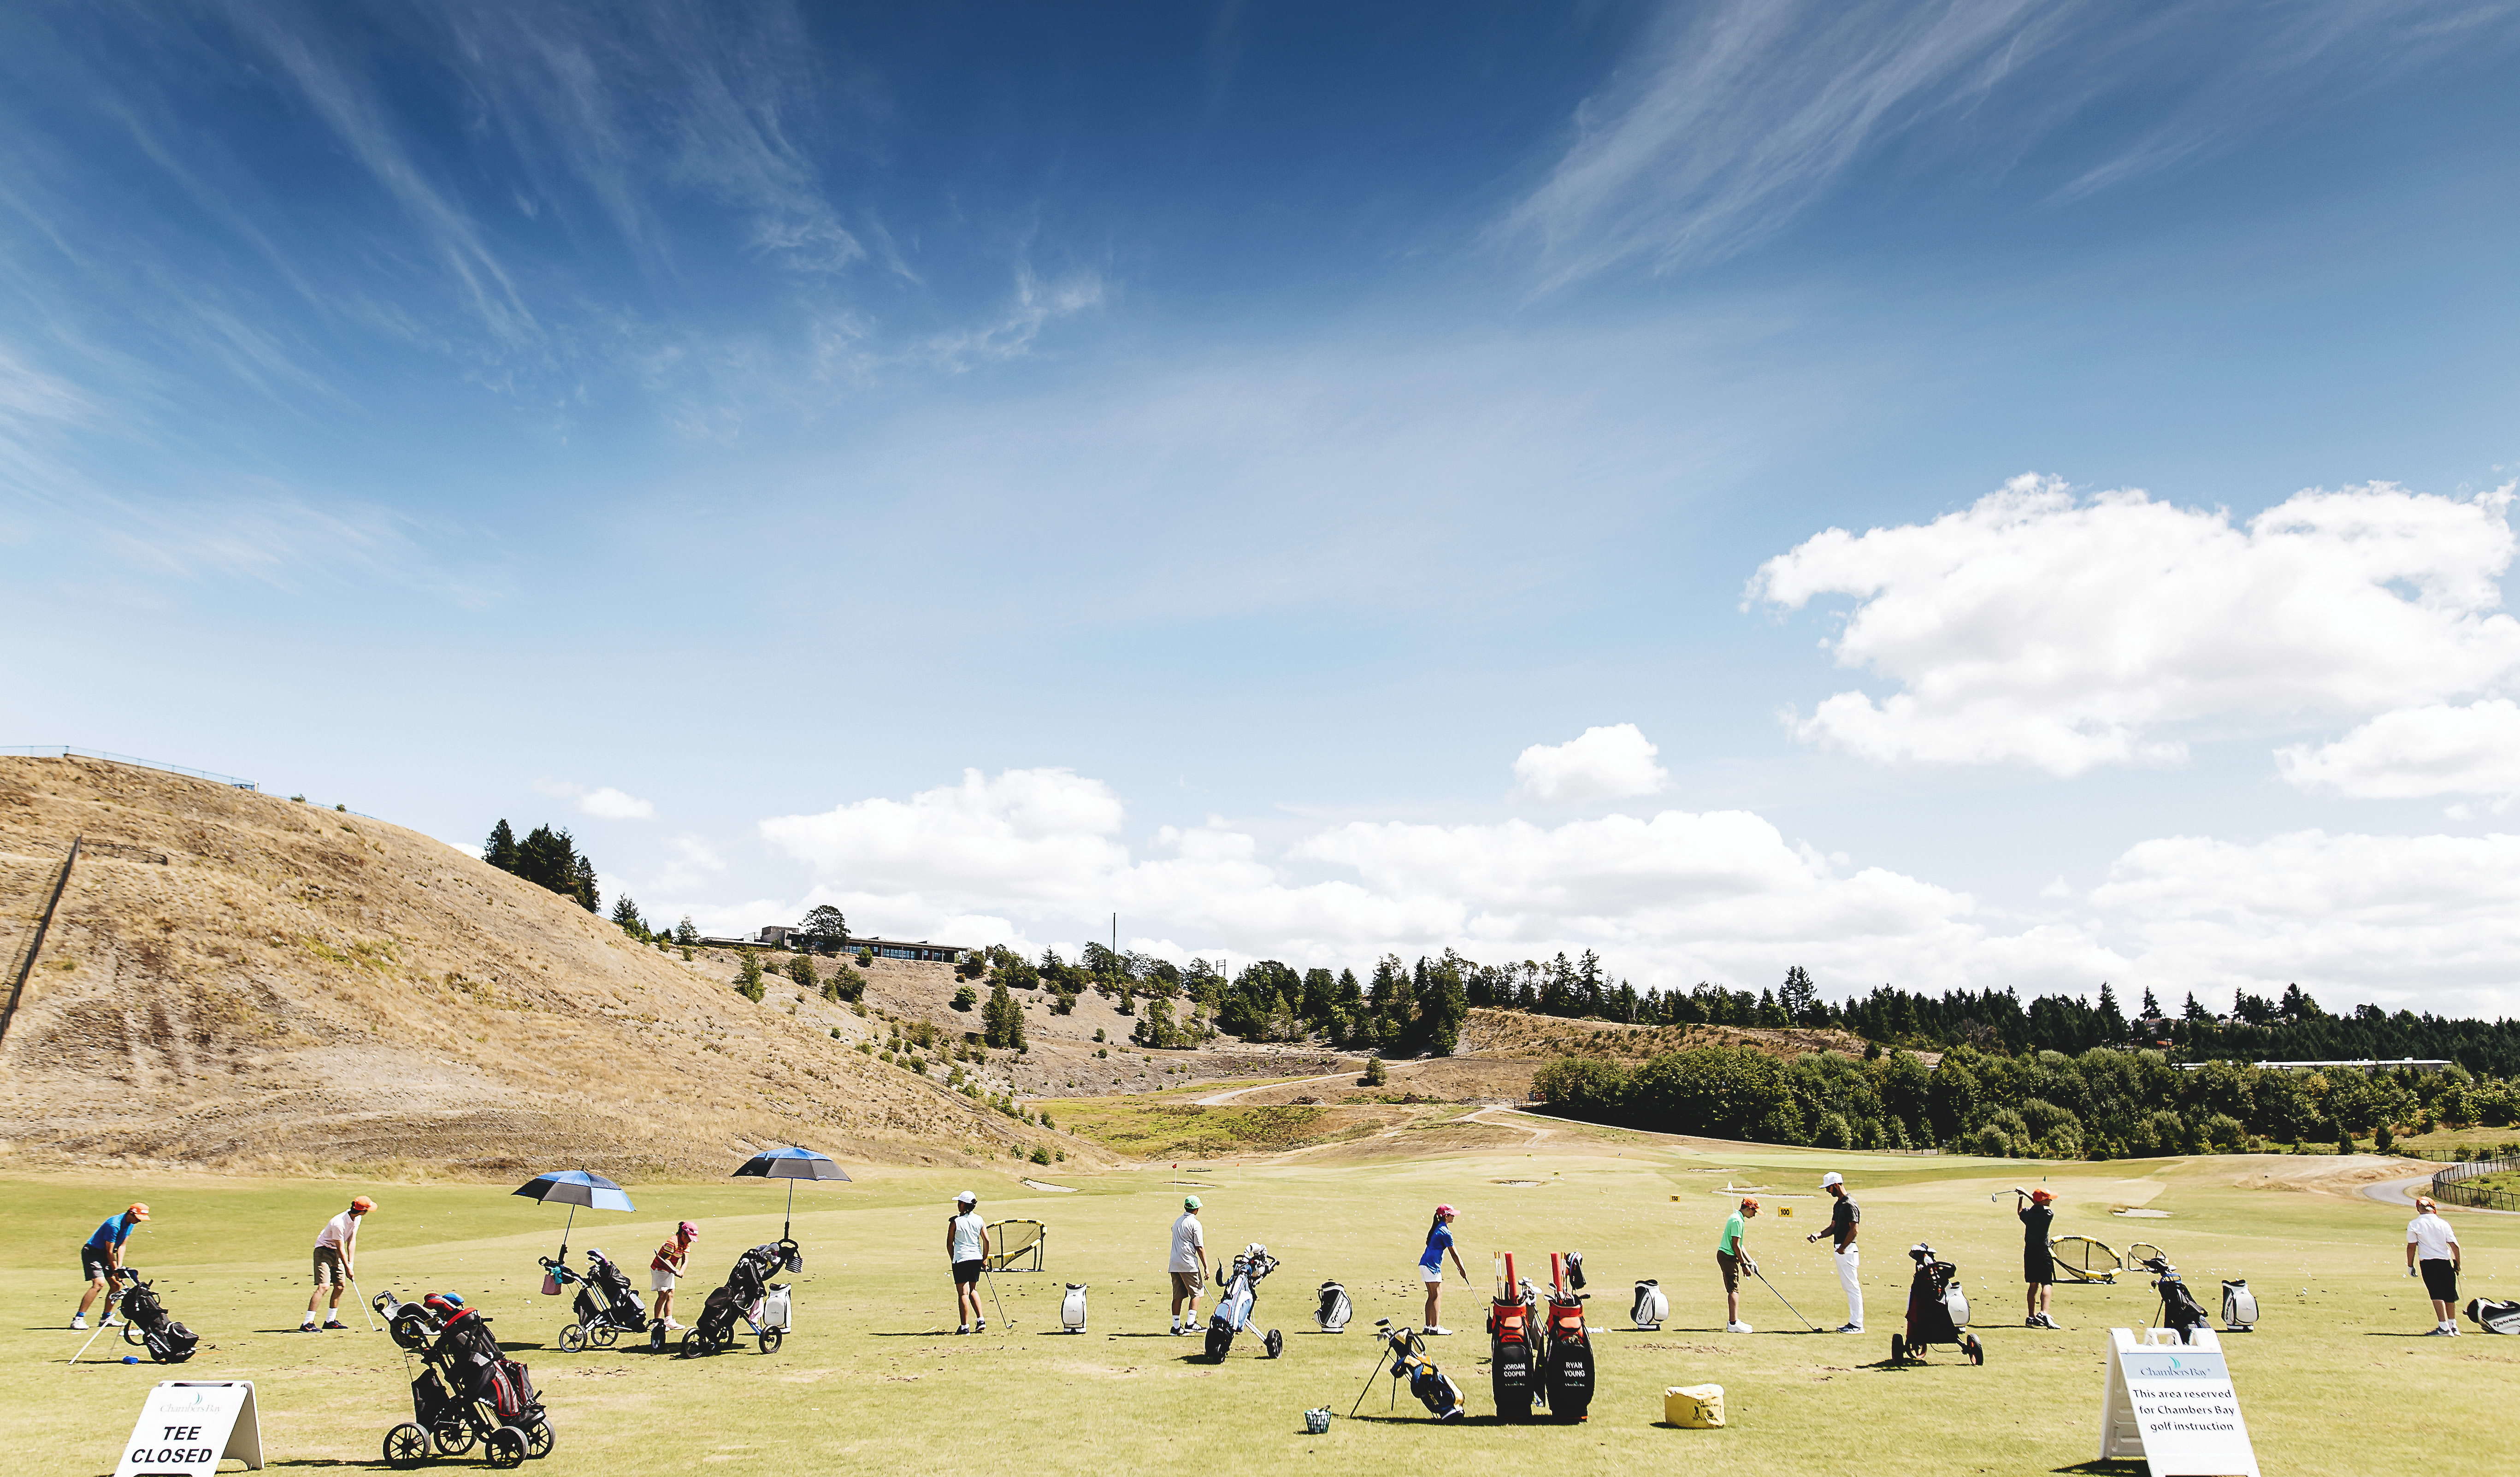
x=2038, y=1265
x=966, y=1273
x=2441, y=1279
x=93, y=1263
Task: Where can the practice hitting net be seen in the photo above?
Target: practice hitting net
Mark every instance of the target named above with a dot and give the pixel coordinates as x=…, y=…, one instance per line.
x=1017, y=1245
x=2079, y=1259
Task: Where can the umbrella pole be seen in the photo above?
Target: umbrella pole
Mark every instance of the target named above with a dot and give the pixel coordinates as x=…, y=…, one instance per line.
x=564, y=1230
x=789, y=1219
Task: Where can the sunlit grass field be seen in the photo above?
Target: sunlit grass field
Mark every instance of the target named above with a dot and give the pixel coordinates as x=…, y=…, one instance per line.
x=874, y=1379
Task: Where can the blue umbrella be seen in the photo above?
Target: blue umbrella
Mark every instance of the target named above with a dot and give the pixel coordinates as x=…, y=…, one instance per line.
x=574, y=1187
x=790, y=1164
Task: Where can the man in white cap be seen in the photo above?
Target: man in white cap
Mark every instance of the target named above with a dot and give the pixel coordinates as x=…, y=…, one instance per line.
x=1189, y=1264
x=1843, y=1222
x=2432, y=1252
x=966, y=1245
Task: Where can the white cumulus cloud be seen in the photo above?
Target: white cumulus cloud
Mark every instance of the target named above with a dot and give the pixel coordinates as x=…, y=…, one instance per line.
x=2439, y=749
x=1600, y=764
x=605, y=803
x=2061, y=632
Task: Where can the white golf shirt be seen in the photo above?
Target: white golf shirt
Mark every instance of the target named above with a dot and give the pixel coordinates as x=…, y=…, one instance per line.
x=970, y=1236
x=1190, y=1239
x=2431, y=1237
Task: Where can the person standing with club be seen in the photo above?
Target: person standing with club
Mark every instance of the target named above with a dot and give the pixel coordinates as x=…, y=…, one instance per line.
x=1430, y=1269
x=1189, y=1264
x=337, y=1260
x=2432, y=1251
x=966, y=1246
x=1732, y=1258
x=665, y=1268
x=1843, y=1222
x=2037, y=1263
x=101, y=1263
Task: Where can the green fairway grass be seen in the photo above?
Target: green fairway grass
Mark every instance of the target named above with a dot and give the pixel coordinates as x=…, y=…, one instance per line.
x=2336, y=1380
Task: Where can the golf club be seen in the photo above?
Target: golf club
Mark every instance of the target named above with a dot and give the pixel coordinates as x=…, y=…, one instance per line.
x=1381, y=1346
x=1781, y=1297
x=993, y=1295
x=91, y=1338
x=1999, y=1194
x=373, y=1326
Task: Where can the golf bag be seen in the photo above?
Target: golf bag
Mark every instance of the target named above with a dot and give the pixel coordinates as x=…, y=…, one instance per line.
x=2180, y=1310
x=145, y=1323
x=1335, y=1309
x=748, y=1294
x=606, y=1306
x=1937, y=1310
x=1071, y=1309
x=2239, y=1306
x=1567, y=1353
x=1652, y=1307
x=1433, y=1387
x=2494, y=1317
x=469, y=1390
x=1233, y=1308
x=1513, y=1332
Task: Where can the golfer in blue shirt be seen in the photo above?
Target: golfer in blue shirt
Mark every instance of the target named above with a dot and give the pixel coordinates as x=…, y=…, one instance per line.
x=101, y=1263
x=1430, y=1266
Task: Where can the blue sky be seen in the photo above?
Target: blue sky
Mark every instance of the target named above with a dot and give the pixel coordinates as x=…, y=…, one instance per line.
x=1237, y=436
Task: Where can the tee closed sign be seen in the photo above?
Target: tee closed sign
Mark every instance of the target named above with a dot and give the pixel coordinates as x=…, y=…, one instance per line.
x=2171, y=1405
x=187, y=1426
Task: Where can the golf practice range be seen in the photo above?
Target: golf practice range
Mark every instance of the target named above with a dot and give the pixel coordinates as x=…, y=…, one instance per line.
x=2336, y=1378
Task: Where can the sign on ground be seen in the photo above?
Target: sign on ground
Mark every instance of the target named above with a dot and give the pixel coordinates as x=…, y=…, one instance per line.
x=188, y=1426
x=2172, y=1406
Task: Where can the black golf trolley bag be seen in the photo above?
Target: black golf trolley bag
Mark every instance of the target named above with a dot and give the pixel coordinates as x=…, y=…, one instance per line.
x=2180, y=1311
x=606, y=1306
x=145, y=1323
x=414, y=1324
x=1937, y=1311
x=1513, y=1346
x=1566, y=1348
x=1235, y=1306
x=748, y=1295
x=469, y=1391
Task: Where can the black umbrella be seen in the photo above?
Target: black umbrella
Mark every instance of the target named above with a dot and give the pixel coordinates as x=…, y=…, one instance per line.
x=790, y=1164
x=574, y=1187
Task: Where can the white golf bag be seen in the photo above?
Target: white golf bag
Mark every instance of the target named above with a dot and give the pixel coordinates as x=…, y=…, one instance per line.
x=1071, y=1309
x=2239, y=1306
x=1335, y=1309
x=1955, y=1303
x=1652, y=1307
x=2494, y=1316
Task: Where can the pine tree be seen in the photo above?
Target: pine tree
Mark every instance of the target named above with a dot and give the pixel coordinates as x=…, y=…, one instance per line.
x=585, y=887
x=2151, y=1007
x=748, y=977
x=501, y=849
x=994, y=1023
x=800, y=968
x=625, y=913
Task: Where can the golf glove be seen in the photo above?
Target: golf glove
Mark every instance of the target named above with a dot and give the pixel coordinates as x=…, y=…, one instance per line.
x=2411, y=1271
x=1753, y=1267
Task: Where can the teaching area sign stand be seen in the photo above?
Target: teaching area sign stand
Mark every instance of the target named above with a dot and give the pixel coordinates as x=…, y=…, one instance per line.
x=188, y=1426
x=2170, y=1405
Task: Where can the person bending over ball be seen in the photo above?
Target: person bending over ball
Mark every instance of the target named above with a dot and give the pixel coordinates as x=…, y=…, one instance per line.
x=966, y=1246
x=337, y=1260
x=101, y=1263
x=665, y=1267
x=2037, y=1263
x=1189, y=1264
x=1430, y=1267
x=1732, y=1258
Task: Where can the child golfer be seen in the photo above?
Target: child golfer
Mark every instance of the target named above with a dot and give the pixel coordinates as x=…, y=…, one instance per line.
x=101, y=1263
x=966, y=1246
x=2432, y=1250
x=1189, y=1264
x=337, y=1260
x=1430, y=1267
x=1732, y=1258
x=2037, y=1263
x=665, y=1267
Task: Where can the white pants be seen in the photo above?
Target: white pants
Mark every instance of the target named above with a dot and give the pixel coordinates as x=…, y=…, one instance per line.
x=1849, y=1261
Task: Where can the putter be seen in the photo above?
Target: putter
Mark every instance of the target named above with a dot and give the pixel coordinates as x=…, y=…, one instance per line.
x=1781, y=1297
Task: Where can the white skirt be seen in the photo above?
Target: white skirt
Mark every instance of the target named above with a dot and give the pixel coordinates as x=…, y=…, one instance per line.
x=1426, y=1274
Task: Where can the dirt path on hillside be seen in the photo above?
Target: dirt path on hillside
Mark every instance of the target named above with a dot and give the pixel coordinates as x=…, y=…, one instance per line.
x=1220, y=1100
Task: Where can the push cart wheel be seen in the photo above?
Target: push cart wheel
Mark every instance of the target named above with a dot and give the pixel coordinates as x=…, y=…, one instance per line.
x=1273, y=1343
x=1897, y=1348
x=454, y=1438
x=695, y=1343
x=504, y=1447
x=1976, y=1351
x=772, y=1339
x=539, y=1438
x=572, y=1339
x=409, y=1331
x=603, y=1337
x=406, y=1447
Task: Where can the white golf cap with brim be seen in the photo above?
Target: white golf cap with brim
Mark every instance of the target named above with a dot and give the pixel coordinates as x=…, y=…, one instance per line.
x=966, y=1198
x=1831, y=1178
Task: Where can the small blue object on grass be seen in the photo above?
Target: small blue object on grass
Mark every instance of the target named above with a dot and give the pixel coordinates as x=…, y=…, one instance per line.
x=131, y=1359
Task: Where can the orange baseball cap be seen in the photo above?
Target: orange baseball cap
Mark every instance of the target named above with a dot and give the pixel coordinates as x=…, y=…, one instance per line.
x=1750, y=1202
x=138, y=1212
x=363, y=1205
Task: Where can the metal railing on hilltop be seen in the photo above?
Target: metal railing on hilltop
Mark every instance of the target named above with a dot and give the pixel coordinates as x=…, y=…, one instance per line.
x=65, y=752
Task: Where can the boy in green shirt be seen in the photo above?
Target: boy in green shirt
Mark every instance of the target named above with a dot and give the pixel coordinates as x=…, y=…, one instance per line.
x=1732, y=1258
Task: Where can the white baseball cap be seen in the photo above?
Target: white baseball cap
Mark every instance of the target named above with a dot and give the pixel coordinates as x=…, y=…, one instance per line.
x=1831, y=1178
x=965, y=1198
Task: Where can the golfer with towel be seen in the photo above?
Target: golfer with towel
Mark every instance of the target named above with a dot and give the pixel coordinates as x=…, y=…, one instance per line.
x=1843, y=1222
x=101, y=1263
x=337, y=1260
x=1430, y=1267
x=966, y=1246
x=2037, y=1263
x=1189, y=1264
x=1732, y=1258
x=2432, y=1251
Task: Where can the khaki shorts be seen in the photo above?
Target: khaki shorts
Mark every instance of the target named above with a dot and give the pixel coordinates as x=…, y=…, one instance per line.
x=1185, y=1284
x=329, y=1272
x=1732, y=1266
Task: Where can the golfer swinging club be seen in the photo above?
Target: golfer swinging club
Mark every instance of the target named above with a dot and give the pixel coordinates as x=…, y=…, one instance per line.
x=1732, y=1258
x=101, y=1261
x=1842, y=1224
x=1430, y=1267
x=337, y=1260
x=2037, y=1263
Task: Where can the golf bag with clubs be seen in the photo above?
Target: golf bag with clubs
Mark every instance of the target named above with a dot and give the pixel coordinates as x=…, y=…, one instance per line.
x=1566, y=1349
x=2492, y=1317
x=145, y=1323
x=1937, y=1310
x=1334, y=1309
x=1652, y=1307
x=1071, y=1309
x=607, y=1305
x=2239, y=1306
x=1234, y=1304
x=2180, y=1311
x=1513, y=1335
x=1433, y=1387
x=414, y=1324
x=748, y=1294
x=469, y=1390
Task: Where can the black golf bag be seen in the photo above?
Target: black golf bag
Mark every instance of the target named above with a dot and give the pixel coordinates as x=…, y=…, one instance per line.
x=1514, y=1354
x=1937, y=1310
x=1566, y=1351
x=1334, y=1308
x=146, y=1325
x=1237, y=1304
x=2180, y=1310
x=606, y=1306
x=414, y=1324
x=1433, y=1387
x=469, y=1390
x=2494, y=1317
x=748, y=1289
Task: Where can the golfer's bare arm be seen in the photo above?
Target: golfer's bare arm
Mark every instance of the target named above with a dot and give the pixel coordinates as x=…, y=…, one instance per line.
x=2410, y=1254
x=1457, y=1264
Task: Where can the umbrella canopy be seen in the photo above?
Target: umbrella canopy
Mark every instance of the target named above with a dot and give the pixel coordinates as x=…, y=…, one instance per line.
x=792, y=1164
x=574, y=1187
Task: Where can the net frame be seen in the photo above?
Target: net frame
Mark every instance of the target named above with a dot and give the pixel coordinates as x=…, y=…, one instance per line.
x=1030, y=1239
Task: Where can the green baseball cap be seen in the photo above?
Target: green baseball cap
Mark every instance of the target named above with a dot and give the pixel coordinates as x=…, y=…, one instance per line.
x=1189, y=1202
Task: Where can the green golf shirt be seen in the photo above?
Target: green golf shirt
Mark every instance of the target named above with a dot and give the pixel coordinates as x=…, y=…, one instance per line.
x=1730, y=1243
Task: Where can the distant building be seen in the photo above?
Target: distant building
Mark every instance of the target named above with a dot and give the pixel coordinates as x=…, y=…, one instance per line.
x=781, y=936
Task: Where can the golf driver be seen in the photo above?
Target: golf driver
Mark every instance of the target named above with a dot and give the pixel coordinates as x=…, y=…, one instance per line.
x=91, y=1338
x=1781, y=1297
x=2000, y=1194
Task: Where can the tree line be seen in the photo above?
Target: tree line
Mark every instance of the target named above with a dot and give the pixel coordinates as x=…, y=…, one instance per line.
x=546, y=858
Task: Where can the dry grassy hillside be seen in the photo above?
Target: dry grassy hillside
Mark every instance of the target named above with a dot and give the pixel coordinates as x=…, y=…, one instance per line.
x=1511, y=1033
x=238, y=981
